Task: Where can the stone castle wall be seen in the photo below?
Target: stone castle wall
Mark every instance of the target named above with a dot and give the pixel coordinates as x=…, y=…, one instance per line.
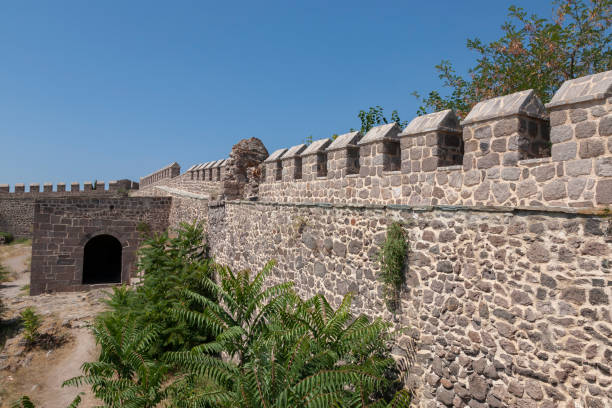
x=508, y=308
x=508, y=288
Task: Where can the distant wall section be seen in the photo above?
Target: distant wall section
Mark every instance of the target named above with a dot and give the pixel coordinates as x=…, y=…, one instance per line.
x=17, y=206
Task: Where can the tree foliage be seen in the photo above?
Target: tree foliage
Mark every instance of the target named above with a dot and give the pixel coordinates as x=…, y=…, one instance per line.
x=168, y=266
x=31, y=324
x=533, y=53
x=375, y=116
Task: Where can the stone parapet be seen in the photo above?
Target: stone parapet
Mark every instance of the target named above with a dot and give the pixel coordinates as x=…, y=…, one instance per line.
x=509, y=151
x=170, y=171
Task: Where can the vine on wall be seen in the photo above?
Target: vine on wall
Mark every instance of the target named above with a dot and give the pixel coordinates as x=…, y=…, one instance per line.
x=392, y=257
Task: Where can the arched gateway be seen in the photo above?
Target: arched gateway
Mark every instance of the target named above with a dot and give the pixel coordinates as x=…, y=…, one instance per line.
x=102, y=260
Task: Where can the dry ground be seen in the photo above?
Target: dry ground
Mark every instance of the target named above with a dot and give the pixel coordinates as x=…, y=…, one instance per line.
x=39, y=373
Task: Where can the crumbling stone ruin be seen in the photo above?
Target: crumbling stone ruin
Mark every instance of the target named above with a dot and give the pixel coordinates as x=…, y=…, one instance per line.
x=507, y=293
x=243, y=171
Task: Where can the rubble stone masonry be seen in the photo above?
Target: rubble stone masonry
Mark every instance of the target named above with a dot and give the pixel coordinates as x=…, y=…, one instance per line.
x=508, y=308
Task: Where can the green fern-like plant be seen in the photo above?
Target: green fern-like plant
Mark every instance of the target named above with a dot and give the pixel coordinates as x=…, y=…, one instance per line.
x=23, y=402
x=125, y=375
x=281, y=351
x=392, y=257
x=26, y=402
x=31, y=324
x=168, y=267
x=8, y=237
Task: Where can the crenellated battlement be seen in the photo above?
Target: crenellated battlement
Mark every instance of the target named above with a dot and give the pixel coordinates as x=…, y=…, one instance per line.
x=509, y=151
x=200, y=178
x=60, y=189
x=212, y=171
x=170, y=171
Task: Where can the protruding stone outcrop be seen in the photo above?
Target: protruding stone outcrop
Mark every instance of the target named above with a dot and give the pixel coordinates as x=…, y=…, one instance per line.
x=246, y=155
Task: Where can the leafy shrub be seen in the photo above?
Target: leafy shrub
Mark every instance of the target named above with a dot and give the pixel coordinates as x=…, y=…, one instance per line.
x=168, y=266
x=125, y=375
x=197, y=334
x=4, y=275
x=8, y=237
x=392, y=257
x=286, y=352
x=31, y=324
x=23, y=402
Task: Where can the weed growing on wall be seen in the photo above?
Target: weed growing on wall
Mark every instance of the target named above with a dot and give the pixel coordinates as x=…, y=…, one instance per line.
x=144, y=228
x=392, y=257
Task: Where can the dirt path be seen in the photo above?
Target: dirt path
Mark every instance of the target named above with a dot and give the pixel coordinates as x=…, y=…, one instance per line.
x=40, y=373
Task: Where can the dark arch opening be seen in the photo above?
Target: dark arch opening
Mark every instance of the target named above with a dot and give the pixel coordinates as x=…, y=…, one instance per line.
x=102, y=260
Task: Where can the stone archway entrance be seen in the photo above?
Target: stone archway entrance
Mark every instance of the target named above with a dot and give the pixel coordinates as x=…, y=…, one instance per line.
x=102, y=260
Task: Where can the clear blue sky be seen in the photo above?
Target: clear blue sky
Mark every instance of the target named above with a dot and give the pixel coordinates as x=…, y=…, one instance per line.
x=117, y=89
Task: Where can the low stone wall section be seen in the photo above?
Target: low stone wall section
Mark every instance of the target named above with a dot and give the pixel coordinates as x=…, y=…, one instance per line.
x=186, y=207
x=16, y=216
